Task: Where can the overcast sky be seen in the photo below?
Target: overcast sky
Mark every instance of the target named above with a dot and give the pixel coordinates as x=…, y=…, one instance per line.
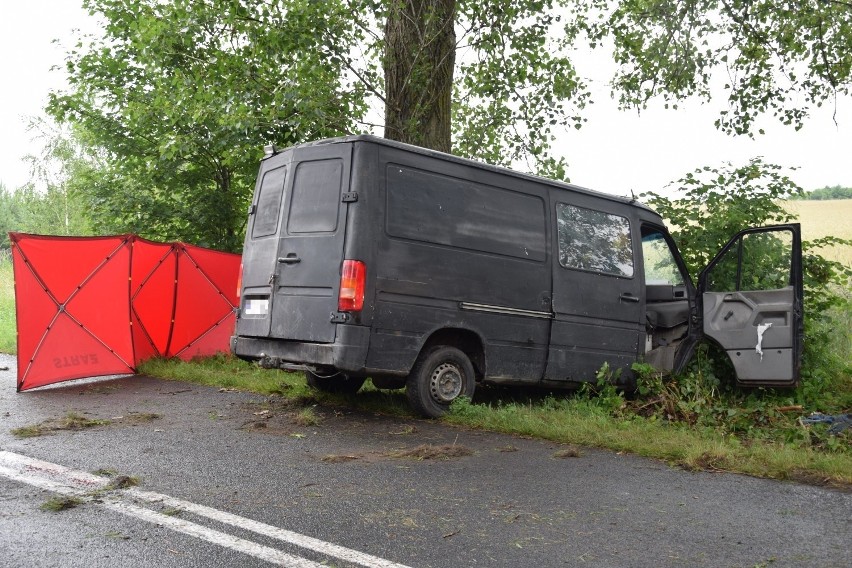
x=615, y=152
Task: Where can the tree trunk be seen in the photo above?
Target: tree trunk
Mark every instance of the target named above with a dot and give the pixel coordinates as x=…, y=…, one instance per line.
x=420, y=51
x=229, y=212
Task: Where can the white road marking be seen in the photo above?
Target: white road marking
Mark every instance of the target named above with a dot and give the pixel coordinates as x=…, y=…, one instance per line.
x=212, y=536
x=179, y=525
x=66, y=481
x=284, y=535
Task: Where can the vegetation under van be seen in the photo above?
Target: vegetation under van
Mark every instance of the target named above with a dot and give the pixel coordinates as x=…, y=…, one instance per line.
x=371, y=258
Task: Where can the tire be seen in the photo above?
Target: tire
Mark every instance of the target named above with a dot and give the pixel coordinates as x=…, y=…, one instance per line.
x=337, y=383
x=440, y=375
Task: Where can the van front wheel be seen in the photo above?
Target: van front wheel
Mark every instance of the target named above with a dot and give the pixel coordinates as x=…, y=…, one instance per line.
x=337, y=383
x=440, y=375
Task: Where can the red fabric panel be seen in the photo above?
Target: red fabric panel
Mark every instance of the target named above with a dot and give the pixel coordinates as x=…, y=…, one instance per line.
x=70, y=352
x=151, y=321
x=90, y=306
x=54, y=343
x=214, y=341
x=64, y=263
x=102, y=305
x=35, y=309
x=154, y=301
x=199, y=305
x=143, y=346
x=222, y=268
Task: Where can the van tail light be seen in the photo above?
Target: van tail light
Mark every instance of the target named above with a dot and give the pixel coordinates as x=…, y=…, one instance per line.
x=240, y=282
x=353, y=278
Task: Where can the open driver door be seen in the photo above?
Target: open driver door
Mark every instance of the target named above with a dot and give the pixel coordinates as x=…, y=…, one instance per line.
x=750, y=303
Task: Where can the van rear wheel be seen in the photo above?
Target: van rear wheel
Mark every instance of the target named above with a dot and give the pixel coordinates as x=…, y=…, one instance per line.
x=336, y=383
x=440, y=375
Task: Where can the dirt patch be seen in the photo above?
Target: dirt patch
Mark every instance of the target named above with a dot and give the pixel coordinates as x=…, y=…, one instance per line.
x=279, y=404
x=306, y=417
x=339, y=458
x=705, y=462
x=255, y=425
x=60, y=503
x=813, y=479
x=431, y=452
x=570, y=452
x=277, y=415
x=134, y=418
x=71, y=421
x=122, y=482
x=74, y=421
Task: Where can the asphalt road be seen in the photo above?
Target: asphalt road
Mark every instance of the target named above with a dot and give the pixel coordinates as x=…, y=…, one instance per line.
x=233, y=479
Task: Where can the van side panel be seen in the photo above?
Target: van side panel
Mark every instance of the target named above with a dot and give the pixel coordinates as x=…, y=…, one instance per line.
x=462, y=250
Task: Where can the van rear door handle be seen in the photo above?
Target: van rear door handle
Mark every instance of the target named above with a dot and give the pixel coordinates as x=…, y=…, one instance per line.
x=289, y=259
x=628, y=297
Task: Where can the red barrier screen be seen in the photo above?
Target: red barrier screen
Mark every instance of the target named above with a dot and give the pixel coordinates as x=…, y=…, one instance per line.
x=92, y=306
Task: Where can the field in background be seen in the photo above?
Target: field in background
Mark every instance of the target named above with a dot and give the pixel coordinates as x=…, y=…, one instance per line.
x=830, y=218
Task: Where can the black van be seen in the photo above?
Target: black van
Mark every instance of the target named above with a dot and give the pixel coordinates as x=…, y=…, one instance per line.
x=369, y=258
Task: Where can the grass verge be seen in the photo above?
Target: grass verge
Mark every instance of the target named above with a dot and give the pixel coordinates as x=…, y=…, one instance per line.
x=8, y=333
x=582, y=422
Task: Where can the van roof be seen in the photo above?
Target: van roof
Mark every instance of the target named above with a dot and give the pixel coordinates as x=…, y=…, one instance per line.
x=482, y=165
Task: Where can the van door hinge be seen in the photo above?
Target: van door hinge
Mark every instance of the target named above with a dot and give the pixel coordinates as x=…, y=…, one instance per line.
x=350, y=197
x=339, y=317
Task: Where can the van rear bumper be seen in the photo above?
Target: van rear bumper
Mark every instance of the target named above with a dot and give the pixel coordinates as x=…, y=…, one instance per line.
x=347, y=353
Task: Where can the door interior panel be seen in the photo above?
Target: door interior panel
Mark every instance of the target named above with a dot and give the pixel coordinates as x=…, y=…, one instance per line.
x=751, y=296
x=733, y=318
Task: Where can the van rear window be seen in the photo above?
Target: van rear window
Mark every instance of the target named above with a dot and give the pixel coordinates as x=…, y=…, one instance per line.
x=269, y=203
x=594, y=240
x=443, y=210
x=316, y=197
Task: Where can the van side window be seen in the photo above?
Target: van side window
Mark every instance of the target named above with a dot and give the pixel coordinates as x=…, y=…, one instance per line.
x=661, y=269
x=316, y=197
x=594, y=240
x=269, y=203
x=757, y=261
x=443, y=210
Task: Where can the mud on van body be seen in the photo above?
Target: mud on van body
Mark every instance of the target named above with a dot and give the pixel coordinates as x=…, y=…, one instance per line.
x=370, y=258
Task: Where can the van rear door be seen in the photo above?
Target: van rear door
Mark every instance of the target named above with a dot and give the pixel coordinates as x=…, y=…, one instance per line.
x=750, y=299
x=306, y=270
x=294, y=246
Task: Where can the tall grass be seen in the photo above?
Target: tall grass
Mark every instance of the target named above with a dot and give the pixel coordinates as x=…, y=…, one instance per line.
x=8, y=336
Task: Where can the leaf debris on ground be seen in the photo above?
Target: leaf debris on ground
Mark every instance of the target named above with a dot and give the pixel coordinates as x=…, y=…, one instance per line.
x=432, y=452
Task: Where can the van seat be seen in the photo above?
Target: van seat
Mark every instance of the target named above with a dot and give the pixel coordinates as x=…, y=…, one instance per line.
x=668, y=314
